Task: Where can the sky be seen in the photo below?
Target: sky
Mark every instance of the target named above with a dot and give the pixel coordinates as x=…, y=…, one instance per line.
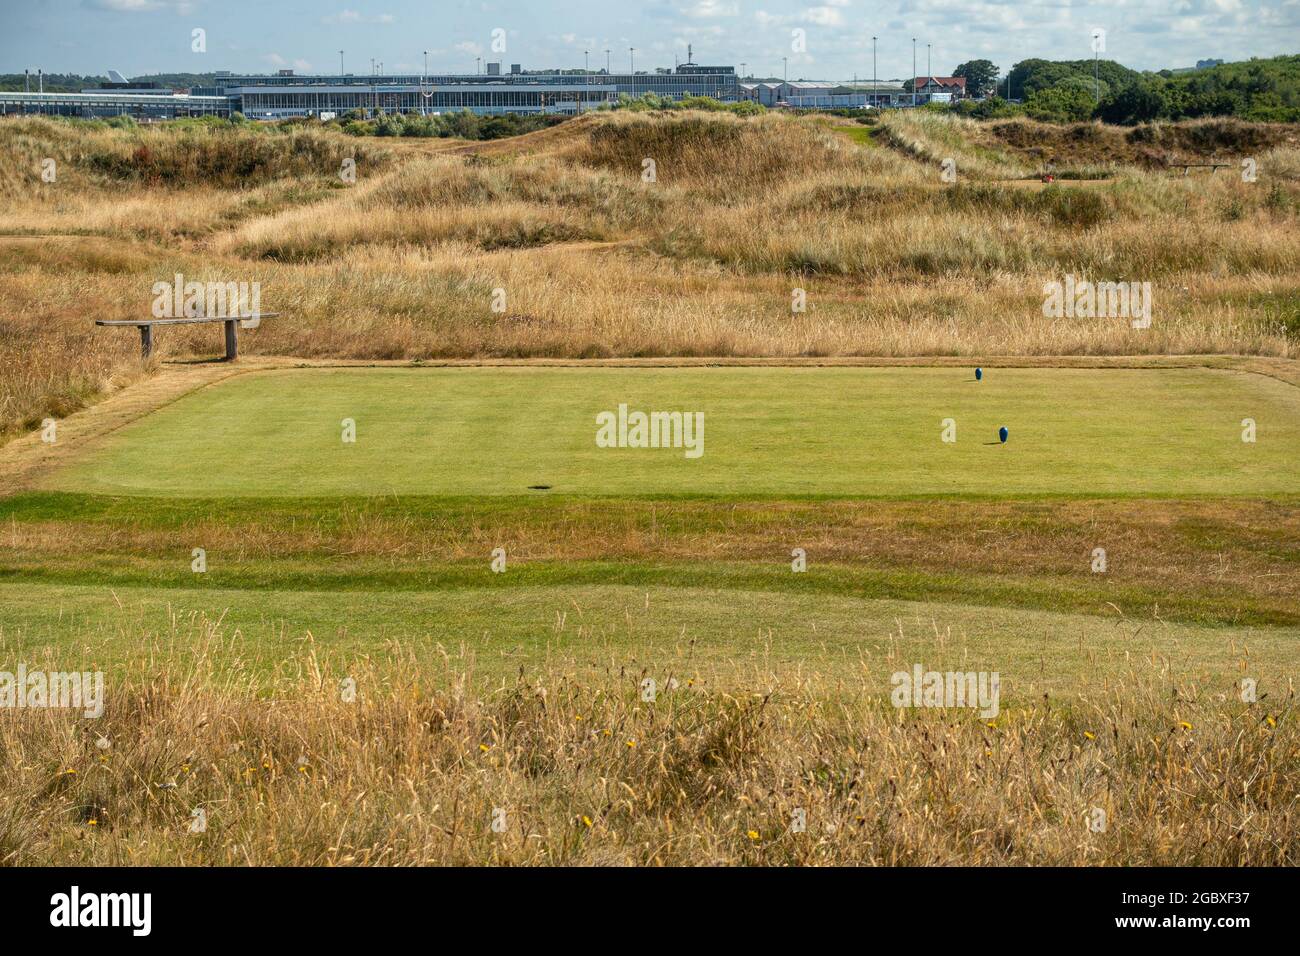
x=829, y=39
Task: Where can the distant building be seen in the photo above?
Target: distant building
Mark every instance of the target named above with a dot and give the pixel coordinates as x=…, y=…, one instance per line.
x=519, y=91
x=816, y=94
x=939, y=89
x=158, y=104
x=765, y=93
x=285, y=94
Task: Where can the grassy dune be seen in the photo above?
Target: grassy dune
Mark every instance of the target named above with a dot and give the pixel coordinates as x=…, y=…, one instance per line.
x=594, y=261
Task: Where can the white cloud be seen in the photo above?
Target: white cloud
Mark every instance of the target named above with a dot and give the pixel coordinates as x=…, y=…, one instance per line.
x=821, y=16
x=824, y=16
x=141, y=6
x=352, y=16
x=710, y=9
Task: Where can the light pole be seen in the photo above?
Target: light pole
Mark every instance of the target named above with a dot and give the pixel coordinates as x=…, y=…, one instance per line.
x=631, y=60
x=606, y=62
x=1096, y=76
x=927, y=62
x=426, y=66
x=477, y=69
x=742, y=70
x=874, y=94
x=913, y=71
x=585, y=65
x=340, y=62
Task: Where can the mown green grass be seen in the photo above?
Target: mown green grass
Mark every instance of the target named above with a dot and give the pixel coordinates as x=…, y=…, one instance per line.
x=1206, y=561
x=778, y=432
x=687, y=632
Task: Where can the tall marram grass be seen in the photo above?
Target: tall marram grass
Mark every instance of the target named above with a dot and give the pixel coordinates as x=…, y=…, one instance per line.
x=597, y=261
x=582, y=770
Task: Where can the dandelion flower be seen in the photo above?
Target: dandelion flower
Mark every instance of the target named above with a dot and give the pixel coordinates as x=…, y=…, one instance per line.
x=753, y=834
x=1090, y=735
x=1271, y=721
x=586, y=820
x=484, y=748
x=631, y=743
x=1185, y=725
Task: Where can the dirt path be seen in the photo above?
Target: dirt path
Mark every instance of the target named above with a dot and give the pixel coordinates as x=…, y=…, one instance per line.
x=26, y=458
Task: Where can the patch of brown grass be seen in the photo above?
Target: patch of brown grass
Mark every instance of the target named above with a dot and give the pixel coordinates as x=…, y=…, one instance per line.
x=581, y=770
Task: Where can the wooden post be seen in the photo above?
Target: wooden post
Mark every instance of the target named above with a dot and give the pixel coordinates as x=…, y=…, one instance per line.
x=146, y=340
x=232, y=345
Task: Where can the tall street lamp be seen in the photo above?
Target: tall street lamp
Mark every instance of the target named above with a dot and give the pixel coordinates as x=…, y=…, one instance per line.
x=874, y=94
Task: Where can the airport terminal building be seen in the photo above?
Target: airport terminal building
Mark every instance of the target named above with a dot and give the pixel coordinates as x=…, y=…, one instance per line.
x=566, y=91
x=284, y=94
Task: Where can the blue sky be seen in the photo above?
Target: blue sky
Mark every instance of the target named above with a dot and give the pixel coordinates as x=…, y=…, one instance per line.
x=143, y=36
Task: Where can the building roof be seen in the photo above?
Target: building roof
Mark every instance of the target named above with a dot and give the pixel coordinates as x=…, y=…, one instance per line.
x=953, y=82
x=866, y=86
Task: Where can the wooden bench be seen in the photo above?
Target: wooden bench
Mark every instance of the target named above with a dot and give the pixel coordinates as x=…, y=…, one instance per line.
x=146, y=327
x=1188, y=167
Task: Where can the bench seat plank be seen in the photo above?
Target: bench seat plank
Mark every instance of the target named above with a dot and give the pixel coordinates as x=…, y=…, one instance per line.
x=195, y=320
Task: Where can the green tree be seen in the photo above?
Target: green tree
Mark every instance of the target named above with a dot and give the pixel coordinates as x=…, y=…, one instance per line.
x=1060, y=104
x=1139, y=102
x=981, y=76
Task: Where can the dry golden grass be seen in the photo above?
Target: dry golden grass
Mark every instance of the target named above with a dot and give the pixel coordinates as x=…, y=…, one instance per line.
x=596, y=262
x=586, y=772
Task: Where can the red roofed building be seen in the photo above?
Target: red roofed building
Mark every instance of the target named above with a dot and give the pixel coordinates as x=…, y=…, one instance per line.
x=926, y=86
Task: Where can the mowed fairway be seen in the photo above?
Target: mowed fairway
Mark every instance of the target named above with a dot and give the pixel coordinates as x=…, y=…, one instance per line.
x=767, y=432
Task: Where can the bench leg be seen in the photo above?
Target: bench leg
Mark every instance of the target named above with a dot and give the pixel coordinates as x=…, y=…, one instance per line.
x=232, y=344
x=146, y=340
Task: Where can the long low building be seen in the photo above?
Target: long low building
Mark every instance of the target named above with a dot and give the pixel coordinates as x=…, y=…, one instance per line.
x=161, y=105
x=572, y=91
x=809, y=94
x=285, y=94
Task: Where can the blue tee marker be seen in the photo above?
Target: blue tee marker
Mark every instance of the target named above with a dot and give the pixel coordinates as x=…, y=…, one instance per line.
x=1002, y=434
x=979, y=374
